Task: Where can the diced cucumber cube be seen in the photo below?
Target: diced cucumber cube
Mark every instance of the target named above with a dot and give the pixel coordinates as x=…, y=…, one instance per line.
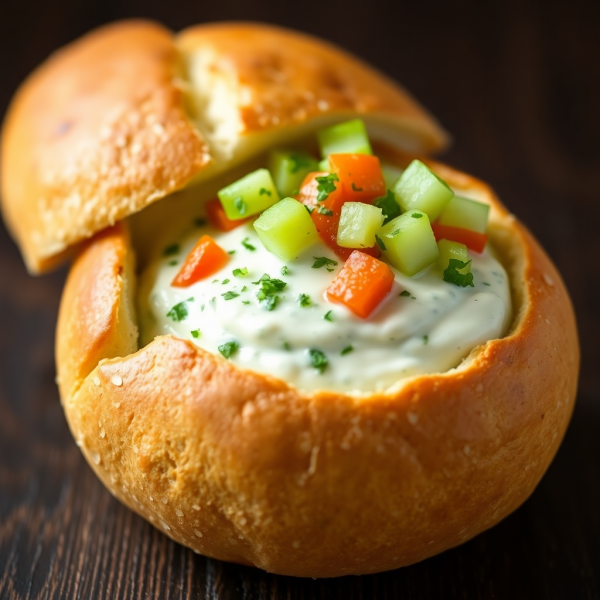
x=286, y=229
x=450, y=250
x=466, y=213
x=289, y=168
x=324, y=165
x=345, y=138
x=408, y=242
x=420, y=188
x=391, y=175
x=358, y=225
x=249, y=195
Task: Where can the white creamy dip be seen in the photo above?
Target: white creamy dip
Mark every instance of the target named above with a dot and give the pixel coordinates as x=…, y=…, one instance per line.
x=429, y=328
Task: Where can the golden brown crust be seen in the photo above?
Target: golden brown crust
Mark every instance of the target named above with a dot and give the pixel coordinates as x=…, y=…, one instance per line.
x=103, y=129
x=243, y=467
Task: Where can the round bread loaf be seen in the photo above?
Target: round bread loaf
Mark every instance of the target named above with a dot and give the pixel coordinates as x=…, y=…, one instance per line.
x=238, y=465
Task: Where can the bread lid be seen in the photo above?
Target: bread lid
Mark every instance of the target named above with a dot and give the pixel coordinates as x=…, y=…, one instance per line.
x=129, y=114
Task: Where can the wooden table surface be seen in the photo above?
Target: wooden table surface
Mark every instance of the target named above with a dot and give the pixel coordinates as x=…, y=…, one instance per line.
x=518, y=85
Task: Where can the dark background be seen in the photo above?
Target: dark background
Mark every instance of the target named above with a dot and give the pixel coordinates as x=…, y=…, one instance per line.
x=517, y=83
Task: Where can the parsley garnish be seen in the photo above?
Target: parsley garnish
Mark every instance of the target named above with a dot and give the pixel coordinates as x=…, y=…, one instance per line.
x=486, y=283
x=264, y=191
x=388, y=205
x=228, y=349
x=404, y=293
x=325, y=211
x=304, y=300
x=425, y=340
x=245, y=301
x=309, y=209
x=248, y=245
x=453, y=275
x=245, y=288
x=224, y=281
x=323, y=261
x=240, y=272
x=286, y=346
x=231, y=252
x=318, y=360
x=179, y=312
x=325, y=186
x=299, y=161
x=241, y=206
x=269, y=289
x=347, y=350
x=380, y=242
x=170, y=250
x=172, y=263
x=195, y=333
x=230, y=295
x=285, y=270
x=328, y=316
x=416, y=215
x=356, y=189
x=200, y=222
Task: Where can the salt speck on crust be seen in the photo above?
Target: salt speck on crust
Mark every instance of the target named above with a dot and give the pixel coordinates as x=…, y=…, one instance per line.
x=116, y=380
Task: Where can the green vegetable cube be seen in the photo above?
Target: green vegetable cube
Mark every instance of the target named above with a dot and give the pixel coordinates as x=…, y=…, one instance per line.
x=286, y=229
x=450, y=250
x=358, y=225
x=289, y=169
x=469, y=214
x=345, y=138
x=249, y=195
x=391, y=175
x=408, y=242
x=419, y=187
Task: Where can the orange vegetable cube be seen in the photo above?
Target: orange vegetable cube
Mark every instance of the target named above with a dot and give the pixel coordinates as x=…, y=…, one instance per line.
x=218, y=218
x=205, y=259
x=362, y=284
x=360, y=175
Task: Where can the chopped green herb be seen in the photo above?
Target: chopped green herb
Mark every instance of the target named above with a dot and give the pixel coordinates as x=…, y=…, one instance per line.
x=241, y=206
x=228, y=349
x=323, y=261
x=269, y=289
x=170, y=250
x=325, y=186
x=285, y=270
x=202, y=308
x=404, y=293
x=318, y=360
x=231, y=252
x=172, y=263
x=310, y=209
x=179, y=312
x=380, y=242
x=264, y=191
x=304, y=300
x=195, y=333
x=240, y=272
x=248, y=245
x=215, y=281
x=230, y=295
x=425, y=340
x=325, y=211
x=245, y=288
x=286, y=346
x=346, y=350
x=416, y=215
x=299, y=161
x=245, y=301
x=328, y=316
x=486, y=283
x=453, y=275
x=388, y=205
x=356, y=189
x=200, y=222
x=225, y=281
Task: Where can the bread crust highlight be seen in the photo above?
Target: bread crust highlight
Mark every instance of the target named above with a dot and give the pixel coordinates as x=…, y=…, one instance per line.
x=243, y=467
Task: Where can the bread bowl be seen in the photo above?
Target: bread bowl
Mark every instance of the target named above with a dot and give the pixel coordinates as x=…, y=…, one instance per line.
x=236, y=464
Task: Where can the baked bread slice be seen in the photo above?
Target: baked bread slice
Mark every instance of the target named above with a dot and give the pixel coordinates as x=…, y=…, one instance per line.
x=130, y=113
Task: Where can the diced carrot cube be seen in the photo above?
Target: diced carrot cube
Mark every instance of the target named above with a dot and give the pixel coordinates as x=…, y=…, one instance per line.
x=360, y=175
x=205, y=259
x=218, y=218
x=473, y=240
x=362, y=283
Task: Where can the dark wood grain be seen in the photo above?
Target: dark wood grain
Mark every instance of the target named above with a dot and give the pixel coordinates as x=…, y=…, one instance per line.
x=518, y=85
